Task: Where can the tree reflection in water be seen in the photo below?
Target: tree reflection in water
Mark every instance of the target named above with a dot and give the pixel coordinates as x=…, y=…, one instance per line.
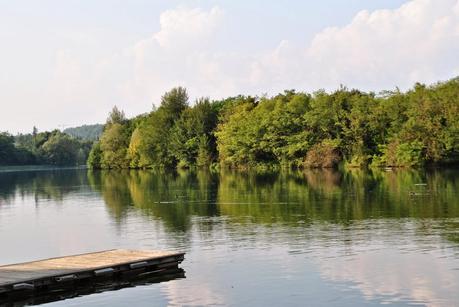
x=392, y=236
x=296, y=199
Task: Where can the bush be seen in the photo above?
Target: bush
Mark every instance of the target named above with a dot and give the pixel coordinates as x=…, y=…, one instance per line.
x=323, y=155
x=397, y=154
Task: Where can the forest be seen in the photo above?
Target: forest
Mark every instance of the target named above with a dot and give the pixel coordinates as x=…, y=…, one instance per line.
x=49, y=147
x=347, y=127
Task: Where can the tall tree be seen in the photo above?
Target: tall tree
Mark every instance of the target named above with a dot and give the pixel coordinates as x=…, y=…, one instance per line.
x=114, y=141
x=191, y=136
x=155, y=131
x=61, y=149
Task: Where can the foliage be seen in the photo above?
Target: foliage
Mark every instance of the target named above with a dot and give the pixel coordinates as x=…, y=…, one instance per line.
x=50, y=147
x=291, y=129
x=192, y=141
x=265, y=130
x=6, y=148
x=323, y=155
x=95, y=156
x=116, y=116
x=60, y=149
x=111, y=151
x=151, y=144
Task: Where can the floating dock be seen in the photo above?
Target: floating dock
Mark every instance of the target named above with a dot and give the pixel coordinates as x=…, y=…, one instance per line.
x=64, y=273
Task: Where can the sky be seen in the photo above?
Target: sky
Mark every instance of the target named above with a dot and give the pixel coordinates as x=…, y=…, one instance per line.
x=67, y=63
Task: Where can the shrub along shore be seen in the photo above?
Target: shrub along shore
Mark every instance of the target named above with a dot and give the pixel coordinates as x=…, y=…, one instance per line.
x=346, y=127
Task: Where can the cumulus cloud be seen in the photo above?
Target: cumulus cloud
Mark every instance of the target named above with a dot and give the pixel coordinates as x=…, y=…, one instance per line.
x=377, y=50
x=382, y=49
x=185, y=28
x=181, y=53
x=417, y=42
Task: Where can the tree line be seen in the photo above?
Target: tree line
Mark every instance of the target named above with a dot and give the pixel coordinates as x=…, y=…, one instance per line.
x=292, y=129
x=48, y=147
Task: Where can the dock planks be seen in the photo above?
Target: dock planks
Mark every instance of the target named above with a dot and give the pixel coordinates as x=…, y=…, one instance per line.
x=62, y=272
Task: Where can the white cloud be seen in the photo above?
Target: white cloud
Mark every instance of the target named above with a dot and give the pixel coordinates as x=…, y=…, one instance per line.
x=185, y=28
x=418, y=41
x=180, y=53
x=377, y=50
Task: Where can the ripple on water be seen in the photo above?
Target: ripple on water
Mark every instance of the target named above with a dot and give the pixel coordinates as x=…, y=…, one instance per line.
x=295, y=238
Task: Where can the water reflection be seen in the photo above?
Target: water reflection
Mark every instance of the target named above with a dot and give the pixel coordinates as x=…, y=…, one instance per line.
x=422, y=277
x=171, y=196
x=355, y=237
x=52, y=184
x=91, y=287
x=288, y=198
x=360, y=225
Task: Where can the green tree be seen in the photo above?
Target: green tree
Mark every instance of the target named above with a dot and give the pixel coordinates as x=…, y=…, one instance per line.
x=60, y=149
x=268, y=131
x=7, y=149
x=95, y=156
x=154, y=132
x=116, y=116
x=191, y=136
x=114, y=143
x=291, y=129
x=173, y=103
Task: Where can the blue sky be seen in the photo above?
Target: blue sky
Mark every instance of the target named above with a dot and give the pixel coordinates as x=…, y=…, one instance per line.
x=68, y=62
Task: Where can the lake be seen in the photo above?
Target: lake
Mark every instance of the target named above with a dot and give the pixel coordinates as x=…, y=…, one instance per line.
x=353, y=238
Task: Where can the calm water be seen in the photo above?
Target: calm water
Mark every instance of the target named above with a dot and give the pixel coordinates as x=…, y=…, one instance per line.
x=299, y=238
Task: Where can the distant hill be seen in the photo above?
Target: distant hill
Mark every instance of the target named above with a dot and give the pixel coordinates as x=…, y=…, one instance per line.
x=86, y=132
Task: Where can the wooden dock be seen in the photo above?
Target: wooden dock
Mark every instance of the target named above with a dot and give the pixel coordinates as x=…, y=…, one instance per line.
x=73, y=271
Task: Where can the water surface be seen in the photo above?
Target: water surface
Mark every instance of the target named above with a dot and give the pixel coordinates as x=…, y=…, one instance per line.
x=297, y=238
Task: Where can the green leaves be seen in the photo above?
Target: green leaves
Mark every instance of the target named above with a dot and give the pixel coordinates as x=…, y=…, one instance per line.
x=192, y=141
x=95, y=156
x=53, y=148
x=7, y=149
x=269, y=131
x=289, y=130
